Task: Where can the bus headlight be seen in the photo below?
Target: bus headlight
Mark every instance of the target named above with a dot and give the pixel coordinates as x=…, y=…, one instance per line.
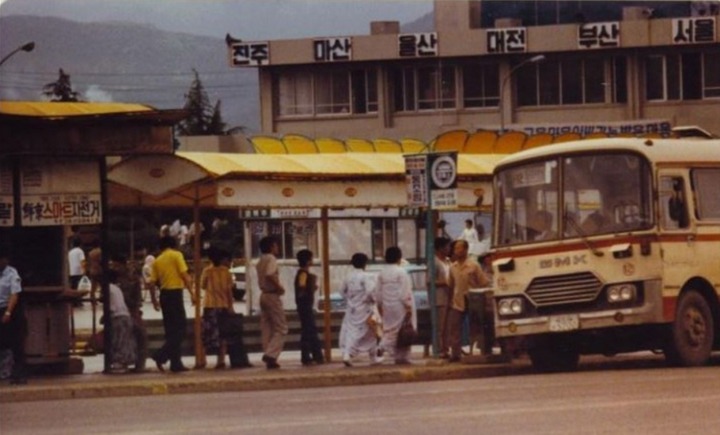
x=621, y=293
x=510, y=306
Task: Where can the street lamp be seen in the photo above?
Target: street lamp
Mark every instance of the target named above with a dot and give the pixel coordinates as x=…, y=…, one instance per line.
x=29, y=46
x=534, y=59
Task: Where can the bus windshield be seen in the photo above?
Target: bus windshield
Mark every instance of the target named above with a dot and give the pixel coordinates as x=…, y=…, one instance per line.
x=573, y=196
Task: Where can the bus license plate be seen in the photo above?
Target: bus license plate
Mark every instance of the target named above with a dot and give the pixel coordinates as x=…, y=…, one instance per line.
x=569, y=322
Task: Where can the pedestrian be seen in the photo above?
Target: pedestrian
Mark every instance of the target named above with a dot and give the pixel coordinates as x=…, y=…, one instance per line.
x=306, y=284
x=464, y=275
x=357, y=332
x=131, y=289
x=395, y=301
x=13, y=326
x=442, y=292
x=76, y=263
x=273, y=324
x=470, y=235
x=124, y=348
x=170, y=273
x=217, y=282
x=147, y=274
x=94, y=268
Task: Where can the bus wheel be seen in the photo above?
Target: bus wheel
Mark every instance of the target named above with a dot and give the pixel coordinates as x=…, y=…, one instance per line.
x=692, y=332
x=554, y=359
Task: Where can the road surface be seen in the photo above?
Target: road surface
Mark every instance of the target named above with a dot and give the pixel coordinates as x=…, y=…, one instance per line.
x=648, y=400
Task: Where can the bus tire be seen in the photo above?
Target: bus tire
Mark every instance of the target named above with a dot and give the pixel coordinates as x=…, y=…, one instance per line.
x=692, y=333
x=554, y=359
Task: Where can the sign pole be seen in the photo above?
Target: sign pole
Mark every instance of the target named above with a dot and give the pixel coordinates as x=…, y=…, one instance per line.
x=432, y=273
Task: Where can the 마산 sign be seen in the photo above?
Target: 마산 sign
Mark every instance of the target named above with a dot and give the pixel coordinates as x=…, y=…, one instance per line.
x=60, y=193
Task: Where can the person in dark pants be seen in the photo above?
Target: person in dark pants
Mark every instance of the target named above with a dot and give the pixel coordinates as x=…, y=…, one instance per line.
x=305, y=287
x=131, y=288
x=170, y=272
x=12, y=323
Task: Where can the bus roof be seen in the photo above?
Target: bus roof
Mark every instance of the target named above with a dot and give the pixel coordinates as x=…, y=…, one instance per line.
x=656, y=150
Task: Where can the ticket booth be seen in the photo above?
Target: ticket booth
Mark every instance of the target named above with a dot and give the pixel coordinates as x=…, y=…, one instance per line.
x=52, y=181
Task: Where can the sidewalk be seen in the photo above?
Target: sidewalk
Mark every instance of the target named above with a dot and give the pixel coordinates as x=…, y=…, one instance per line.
x=92, y=383
x=291, y=375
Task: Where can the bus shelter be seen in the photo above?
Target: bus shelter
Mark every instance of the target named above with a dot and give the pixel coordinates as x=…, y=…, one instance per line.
x=261, y=181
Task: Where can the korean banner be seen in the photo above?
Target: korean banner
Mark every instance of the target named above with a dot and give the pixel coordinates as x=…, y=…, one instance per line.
x=7, y=214
x=60, y=193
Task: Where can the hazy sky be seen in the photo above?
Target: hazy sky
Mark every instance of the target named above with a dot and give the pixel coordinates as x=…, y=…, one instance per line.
x=247, y=19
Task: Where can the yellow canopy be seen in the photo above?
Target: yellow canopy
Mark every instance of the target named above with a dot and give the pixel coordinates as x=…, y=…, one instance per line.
x=57, y=109
x=297, y=179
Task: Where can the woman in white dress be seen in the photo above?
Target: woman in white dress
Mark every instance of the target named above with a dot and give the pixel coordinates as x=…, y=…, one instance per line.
x=395, y=301
x=356, y=333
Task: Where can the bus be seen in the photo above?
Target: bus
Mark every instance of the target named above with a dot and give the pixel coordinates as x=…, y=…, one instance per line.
x=606, y=246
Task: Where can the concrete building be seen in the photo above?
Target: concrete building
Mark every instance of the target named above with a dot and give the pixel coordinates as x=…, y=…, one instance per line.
x=609, y=67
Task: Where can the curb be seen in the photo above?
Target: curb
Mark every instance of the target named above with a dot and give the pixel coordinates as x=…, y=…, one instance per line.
x=289, y=379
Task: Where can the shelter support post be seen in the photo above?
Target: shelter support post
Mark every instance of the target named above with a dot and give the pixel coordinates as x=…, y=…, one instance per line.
x=432, y=273
x=325, y=223
x=105, y=260
x=200, y=360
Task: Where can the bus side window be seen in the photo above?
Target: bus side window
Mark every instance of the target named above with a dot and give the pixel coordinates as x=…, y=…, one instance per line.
x=674, y=202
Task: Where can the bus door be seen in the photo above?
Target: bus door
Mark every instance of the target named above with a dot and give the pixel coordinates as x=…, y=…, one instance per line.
x=678, y=235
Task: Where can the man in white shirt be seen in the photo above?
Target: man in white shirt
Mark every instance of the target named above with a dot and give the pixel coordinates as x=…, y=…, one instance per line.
x=76, y=264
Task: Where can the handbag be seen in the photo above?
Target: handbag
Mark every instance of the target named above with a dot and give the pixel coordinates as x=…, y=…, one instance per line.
x=406, y=334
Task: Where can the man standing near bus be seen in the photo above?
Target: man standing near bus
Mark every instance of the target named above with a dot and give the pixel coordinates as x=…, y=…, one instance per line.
x=170, y=273
x=465, y=274
x=273, y=324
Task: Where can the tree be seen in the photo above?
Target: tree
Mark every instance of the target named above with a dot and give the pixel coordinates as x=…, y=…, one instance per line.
x=61, y=90
x=203, y=118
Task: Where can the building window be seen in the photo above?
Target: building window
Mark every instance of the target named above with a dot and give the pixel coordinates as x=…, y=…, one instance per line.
x=711, y=75
x=384, y=235
x=572, y=81
x=674, y=77
x=295, y=94
x=424, y=88
x=327, y=93
x=481, y=85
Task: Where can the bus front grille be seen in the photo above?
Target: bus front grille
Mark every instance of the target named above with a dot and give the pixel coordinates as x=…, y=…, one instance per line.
x=564, y=289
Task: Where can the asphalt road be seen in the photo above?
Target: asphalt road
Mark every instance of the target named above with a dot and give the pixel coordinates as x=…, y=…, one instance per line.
x=618, y=400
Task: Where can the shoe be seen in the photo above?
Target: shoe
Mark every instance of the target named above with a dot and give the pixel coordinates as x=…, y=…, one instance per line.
x=454, y=359
x=270, y=362
x=158, y=364
x=179, y=369
x=306, y=363
x=444, y=355
x=347, y=362
x=220, y=366
x=380, y=352
x=139, y=370
x=402, y=362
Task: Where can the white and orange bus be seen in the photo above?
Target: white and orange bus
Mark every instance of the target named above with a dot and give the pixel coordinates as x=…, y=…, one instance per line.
x=607, y=246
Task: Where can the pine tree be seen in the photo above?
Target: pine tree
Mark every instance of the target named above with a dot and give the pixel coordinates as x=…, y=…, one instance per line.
x=61, y=90
x=217, y=125
x=197, y=104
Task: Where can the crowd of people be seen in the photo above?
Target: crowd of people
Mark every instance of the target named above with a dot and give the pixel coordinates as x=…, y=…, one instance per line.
x=377, y=308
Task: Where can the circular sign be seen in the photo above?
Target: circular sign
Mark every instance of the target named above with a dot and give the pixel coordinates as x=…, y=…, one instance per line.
x=351, y=192
x=228, y=192
x=288, y=192
x=443, y=172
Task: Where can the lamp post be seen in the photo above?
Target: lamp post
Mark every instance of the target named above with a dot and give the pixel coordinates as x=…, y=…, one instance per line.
x=29, y=46
x=534, y=59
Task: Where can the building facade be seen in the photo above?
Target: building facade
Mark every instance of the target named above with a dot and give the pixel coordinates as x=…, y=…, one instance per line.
x=533, y=66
